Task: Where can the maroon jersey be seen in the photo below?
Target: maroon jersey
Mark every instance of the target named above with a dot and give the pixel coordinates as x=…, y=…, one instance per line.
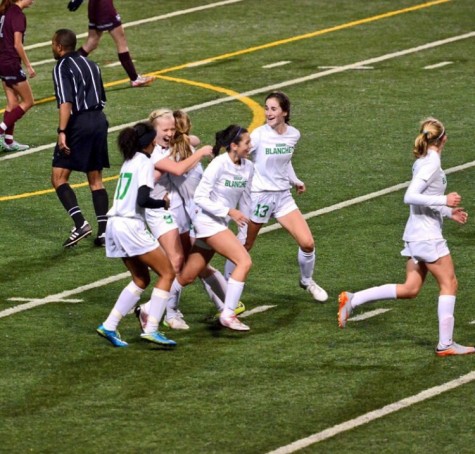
x=12, y=21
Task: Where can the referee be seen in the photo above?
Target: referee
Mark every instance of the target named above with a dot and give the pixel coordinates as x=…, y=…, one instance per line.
x=82, y=134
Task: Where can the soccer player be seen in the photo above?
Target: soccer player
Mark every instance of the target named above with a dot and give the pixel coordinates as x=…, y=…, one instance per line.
x=225, y=182
x=425, y=247
x=103, y=17
x=15, y=84
x=127, y=237
x=176, y=170
x=273, y=145
x=82, y=134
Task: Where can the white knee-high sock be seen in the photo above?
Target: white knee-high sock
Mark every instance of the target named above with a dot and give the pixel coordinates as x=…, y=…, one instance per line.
x=216, y=286
x=445, y=312
x=383, y=292
x=228, y=269
x=233, y=295
x=128, y=298
x=158, y=304
x=173, y=300
x=307, y=265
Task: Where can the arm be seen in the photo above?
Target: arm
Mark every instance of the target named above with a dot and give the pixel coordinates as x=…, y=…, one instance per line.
x=181, y=167
x=299, y=184
x=206, y=187
x=18, y=38
x=414, y=195
x=145, y=201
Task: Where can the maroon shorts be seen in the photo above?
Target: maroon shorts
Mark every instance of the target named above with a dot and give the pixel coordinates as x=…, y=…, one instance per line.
x=11, y=73
x=102, y=15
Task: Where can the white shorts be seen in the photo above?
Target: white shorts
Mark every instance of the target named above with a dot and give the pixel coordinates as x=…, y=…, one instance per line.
x=128, y=237
x=205, y=225
x=275, y=204
x=160, y=221
x=426, y=251
x=181, y=218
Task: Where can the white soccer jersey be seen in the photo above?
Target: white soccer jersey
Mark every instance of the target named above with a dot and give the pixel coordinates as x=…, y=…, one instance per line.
x=162, y=185
x=427, y=201
x=271, y=153
x=186, y=185
x=134, y=173
x=223, y=185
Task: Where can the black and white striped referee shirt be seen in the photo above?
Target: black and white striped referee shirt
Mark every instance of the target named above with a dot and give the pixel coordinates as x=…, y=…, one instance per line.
x=78, y=80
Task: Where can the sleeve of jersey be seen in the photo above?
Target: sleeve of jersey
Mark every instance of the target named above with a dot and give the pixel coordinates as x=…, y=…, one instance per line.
x=414, y=194
x=245, y=200
x=206, y=187
x=254, y=143
x=64, y=91
x=293, y=176
x=145, y=175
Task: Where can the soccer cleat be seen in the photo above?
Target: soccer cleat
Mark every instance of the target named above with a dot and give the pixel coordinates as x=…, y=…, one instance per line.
x=142, y=81
x=78, y=234
x=239, y=310
x=454, y=349
x=14, y=146
x=112, y=336
x=176, y=323
x=344, y=308
x=315, y=290
x=100, y=240
x=142, y=316
x=233, y=322
x=158, y=338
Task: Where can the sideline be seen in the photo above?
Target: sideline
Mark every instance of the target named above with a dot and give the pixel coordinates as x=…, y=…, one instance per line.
x=376, y=414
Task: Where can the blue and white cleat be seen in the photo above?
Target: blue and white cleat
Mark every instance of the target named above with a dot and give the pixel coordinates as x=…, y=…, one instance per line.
x=112, y=336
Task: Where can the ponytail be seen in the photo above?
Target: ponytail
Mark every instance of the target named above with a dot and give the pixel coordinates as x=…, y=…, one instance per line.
x=431, y=132
x=224, y=138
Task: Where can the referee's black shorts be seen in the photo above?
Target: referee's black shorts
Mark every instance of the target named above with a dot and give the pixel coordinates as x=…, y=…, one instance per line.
x=86, y=137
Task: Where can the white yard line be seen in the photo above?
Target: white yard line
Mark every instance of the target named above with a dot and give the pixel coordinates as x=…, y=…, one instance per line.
x=58, y=297
x=256, y=310
x=373, y=415
x=150, y=19
x=276, y=64
x=368, y=314
x=439, y=65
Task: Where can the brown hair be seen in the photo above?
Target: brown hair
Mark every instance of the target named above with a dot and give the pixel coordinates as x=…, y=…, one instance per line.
x=284, y=102
x=5, y=5
x=431, y=132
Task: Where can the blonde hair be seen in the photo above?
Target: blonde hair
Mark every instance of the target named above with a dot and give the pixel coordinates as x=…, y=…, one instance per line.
x=160, y=113
x=431, y=132
x=180, y=147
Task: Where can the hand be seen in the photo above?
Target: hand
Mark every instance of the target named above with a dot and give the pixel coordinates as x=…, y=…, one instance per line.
x=460, y=216
x=453, y=199
x=238, y=217
x=207, y=150
x=73, y=5
x=300, y=188
x=31, y=71
x=63, y=147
